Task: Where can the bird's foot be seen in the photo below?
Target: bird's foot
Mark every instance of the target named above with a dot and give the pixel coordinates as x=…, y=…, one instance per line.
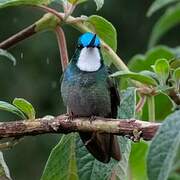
x=92, y=118
x=71, y=116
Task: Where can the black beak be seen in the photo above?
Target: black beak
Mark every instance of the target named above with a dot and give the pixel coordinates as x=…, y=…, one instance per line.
x=91, y=44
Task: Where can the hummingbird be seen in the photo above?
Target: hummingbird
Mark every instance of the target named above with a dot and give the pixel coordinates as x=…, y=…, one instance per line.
x=88, y=91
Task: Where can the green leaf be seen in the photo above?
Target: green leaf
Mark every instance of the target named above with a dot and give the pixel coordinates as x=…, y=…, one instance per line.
x=158, y=4
x=170, y=19
x=161, y=68
x=176, y=79
x=106, y=31
x=8, y=55
x=175, y=175
x=138, y=161
x=120, y=170
x=136, y=76
x=10, y=108
x=6, y=3
x=150, y=74
x=25, y=107
x=91, y=169
x=4, y=171
x=176, y=74
x=61, y=164
x=127, y=108
x=99, y=4
x=164, y=147
x=170, y=103
x=163, y=103
x=76, y=1
x=88, y=167
x=144, y=62
x=175, y=63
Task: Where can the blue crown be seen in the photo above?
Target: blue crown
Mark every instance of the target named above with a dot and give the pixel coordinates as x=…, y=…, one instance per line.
x=89, y=39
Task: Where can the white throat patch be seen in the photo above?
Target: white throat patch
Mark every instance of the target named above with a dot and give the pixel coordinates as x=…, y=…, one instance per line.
x=89, y=59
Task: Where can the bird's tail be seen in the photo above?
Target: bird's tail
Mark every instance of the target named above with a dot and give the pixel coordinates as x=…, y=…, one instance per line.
x=102, y=146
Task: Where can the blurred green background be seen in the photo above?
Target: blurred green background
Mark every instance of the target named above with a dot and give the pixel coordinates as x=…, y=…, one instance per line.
x=36, y=77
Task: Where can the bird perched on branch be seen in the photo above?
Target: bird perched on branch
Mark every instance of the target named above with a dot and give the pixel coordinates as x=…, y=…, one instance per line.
x=88, y=91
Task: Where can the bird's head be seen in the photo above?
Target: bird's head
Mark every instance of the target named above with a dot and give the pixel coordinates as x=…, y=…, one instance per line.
x=89, y=58
x=89, y=40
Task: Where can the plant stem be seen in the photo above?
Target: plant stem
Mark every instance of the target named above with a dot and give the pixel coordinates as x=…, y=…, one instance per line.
x=13, y=40
x=141, y=103
x=48, y=21
x=151, y=108
x=50, y=10
x=62, y=47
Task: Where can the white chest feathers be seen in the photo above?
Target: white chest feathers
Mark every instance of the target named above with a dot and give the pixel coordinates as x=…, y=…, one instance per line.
x=89, y=59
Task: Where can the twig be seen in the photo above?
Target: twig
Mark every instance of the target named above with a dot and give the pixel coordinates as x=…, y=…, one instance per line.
x=13, y=40
x=70, y=11
x=29, y=31
x=151, y=108
x=50, y=10
x=48, y=21
x=141, y=103
x=62, y=47
x=62, y=124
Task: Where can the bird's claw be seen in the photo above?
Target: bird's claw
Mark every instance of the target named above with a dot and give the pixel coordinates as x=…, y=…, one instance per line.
x=92, y=118
x=71, y=116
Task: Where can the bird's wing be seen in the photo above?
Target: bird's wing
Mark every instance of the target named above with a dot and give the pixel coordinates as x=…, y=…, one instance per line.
x=105, y=146
x=115, y=97
x=115, y=102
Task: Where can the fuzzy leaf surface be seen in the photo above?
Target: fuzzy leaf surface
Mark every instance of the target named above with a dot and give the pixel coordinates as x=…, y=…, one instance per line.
x=164, y=147
x=61, y=164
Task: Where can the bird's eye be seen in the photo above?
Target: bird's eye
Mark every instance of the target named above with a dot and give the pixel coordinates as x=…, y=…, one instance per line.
x=80, y=46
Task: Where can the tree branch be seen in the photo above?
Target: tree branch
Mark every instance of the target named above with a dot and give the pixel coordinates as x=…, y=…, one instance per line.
x=62, y=124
